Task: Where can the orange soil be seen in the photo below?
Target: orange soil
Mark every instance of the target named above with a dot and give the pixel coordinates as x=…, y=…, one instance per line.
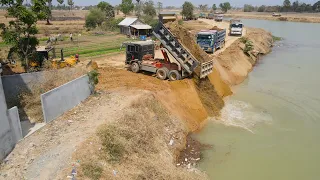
x=182, y=98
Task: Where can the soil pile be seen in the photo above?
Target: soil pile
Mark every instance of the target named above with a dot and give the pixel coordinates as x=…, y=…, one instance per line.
x=185, y=37
x=210, y=97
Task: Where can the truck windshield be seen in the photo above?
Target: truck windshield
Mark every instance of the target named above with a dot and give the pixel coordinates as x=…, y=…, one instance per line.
x=204, y=36
x=236, y=25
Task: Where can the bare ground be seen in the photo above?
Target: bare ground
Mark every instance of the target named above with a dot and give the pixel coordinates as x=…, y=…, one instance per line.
x=49, y=150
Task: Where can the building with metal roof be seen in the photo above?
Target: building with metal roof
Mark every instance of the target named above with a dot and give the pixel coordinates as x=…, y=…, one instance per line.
x=134, y=27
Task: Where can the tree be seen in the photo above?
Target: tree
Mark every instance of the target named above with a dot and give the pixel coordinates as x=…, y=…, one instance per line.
x=138, y=8
x=286, y=5
x=107, y=9
x=49, y=14
x=159, y=6
x=149, y=12
x=149, y=9
x=316, y=6
x=203, y=7
x=70, y=3
x=126, y=6
x=248, y=8
x=214, y=7
x=225, y=6
x=60, y=2
x=262, y=8
x=95, y=18
x=187, y=10
x=295, y=6
x=20, y=32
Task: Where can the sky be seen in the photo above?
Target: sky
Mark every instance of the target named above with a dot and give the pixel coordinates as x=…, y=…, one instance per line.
x=178, y=3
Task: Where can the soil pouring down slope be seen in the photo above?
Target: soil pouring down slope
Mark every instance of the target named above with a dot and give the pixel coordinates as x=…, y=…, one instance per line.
x=210, y=92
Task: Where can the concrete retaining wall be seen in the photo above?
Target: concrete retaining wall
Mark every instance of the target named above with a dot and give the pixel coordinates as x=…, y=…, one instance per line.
x=14, y=85
x=61, y=99
x=10, y=127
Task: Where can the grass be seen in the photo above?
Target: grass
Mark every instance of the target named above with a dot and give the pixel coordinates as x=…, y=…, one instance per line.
x=92, y=171
x=275, y=38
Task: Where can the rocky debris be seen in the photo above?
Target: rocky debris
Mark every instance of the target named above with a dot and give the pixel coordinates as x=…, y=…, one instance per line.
x=191, y=155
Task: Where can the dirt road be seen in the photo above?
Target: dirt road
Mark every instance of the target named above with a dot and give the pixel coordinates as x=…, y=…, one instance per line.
x=45, y=153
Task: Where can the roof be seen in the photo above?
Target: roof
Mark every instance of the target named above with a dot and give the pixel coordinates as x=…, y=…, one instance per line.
x=167, y=13
x=127, y=21
x=141, y=26
x=169, y=17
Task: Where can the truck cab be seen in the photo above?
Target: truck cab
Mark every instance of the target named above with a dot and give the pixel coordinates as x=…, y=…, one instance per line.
x=236, y=28
x=219, y=17
x=211, y=40
x=135, y=51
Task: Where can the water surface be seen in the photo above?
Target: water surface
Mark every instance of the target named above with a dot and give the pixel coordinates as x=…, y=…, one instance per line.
x=270, y=128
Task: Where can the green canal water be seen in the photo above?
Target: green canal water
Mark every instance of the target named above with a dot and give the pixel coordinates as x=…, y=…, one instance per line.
x=270, y=128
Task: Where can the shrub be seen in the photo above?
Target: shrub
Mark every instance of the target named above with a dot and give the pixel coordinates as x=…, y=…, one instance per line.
x=275, y=38
x=94, y=18
x=112, y=146
x=92, y=171
x=248, y=46
x=112, y=24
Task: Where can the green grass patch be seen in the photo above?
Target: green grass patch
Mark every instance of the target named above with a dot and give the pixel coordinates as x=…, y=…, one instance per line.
x=92, y=171
x=275, y=38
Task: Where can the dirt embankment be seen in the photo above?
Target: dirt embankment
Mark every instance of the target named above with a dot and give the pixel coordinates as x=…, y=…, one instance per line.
x=234, y=64
x=293, y=17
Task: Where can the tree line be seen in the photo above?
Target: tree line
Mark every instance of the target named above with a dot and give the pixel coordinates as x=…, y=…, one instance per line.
x=287, y=6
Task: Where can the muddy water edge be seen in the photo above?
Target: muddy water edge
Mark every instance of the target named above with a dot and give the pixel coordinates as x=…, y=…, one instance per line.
x=269, y=128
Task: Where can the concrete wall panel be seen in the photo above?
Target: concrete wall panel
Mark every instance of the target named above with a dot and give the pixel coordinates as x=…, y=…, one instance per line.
x=61, y=99
x=6, y=139
x=15, y=124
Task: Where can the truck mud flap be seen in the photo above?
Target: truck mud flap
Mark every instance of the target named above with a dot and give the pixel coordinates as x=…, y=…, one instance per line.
x=206, y=69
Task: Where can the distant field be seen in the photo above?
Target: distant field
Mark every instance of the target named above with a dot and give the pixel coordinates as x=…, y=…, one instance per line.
x=86, y=45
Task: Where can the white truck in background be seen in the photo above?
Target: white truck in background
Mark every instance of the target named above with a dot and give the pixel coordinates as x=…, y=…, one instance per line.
x=236, y=27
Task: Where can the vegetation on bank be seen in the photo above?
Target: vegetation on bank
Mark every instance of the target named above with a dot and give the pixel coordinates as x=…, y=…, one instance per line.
x=275, y=38
x=287, y=6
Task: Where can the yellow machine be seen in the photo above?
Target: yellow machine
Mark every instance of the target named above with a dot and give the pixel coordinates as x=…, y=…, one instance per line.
x=43, y=53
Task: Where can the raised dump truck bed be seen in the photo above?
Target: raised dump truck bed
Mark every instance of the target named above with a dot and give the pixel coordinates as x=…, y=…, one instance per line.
x=186, y=60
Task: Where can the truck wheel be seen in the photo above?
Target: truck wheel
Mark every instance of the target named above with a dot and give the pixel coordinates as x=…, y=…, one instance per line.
x=162, y=73
x=174, y=75
x=135, y=67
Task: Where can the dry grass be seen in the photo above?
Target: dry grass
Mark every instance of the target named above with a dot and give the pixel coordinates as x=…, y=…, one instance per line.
x=136, y=146
x=29, y=102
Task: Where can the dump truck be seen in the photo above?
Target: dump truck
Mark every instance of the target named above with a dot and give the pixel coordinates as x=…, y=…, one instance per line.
x=236, y=27
x=211, y=40
x=177, y=62
x=202, y=15
x=218, y=17
x=210, y=16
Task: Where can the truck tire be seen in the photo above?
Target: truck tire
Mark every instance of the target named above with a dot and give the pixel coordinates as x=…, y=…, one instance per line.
x=174, y=75
x=162, y=73
x=135, y=67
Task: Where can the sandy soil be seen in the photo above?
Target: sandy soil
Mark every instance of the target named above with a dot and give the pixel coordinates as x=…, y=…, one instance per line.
x=295, y=17
x=43, y=154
